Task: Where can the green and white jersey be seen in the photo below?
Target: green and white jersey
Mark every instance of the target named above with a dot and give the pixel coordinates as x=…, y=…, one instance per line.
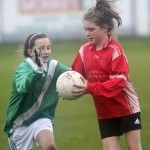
x=33, y=94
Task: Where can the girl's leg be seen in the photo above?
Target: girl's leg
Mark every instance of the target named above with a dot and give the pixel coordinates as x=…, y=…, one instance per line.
x=44, y=134
x=111, y=143
x=45, y=139
x=133, y=140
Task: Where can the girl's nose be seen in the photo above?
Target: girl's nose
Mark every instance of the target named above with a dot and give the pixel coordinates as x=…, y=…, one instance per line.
x=46, y=50
x=87, y=33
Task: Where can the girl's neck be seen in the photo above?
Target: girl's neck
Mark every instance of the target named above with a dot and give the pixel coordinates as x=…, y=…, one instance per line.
x=100, y=45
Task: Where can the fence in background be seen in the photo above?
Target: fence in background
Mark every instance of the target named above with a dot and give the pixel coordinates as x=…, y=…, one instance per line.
x=63, y=19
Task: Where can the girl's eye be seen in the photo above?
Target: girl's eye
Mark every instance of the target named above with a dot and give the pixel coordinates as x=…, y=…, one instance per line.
x=89, y=29
x=48, y=47
x=42, y=48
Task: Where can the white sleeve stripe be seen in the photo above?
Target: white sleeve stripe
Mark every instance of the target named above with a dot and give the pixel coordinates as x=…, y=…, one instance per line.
x=116, y=52
x=118, y=76
x=115, y=55
x=81, y=51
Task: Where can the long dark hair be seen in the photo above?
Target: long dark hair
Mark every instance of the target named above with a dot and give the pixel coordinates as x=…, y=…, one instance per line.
x=102, y=14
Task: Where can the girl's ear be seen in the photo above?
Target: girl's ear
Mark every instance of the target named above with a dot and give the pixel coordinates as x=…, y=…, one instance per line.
x=105, y=28
x=30, y=52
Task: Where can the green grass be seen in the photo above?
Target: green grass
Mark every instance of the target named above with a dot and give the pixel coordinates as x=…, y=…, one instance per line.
x=76, y=125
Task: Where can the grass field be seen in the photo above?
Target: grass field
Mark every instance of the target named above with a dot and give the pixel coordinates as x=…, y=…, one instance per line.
x=76, y=124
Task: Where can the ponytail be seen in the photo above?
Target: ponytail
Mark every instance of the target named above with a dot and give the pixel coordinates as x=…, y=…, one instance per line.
x=107, y=11
x=103, y=14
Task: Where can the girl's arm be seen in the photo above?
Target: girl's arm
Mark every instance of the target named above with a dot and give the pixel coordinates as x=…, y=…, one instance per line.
x=24, y=77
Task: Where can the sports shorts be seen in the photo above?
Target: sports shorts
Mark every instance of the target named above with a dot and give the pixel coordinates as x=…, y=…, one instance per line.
x=23, y=137
x=118, y=126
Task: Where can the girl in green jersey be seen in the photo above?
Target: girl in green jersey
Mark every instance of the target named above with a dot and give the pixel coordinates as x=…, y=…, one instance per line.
x=33, y=100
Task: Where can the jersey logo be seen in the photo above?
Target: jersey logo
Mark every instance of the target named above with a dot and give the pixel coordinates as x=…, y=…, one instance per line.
x=96, y=57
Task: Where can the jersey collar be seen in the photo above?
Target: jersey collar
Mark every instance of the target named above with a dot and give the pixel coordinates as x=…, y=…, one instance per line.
x=109, y=40
x=105, y=45
x=31, y=62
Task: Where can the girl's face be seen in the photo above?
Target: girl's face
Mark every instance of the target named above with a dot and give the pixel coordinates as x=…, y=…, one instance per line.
x=43, y=45
x=95, y=34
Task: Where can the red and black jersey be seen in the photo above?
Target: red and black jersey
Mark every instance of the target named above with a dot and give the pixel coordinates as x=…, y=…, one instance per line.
x=108, y=79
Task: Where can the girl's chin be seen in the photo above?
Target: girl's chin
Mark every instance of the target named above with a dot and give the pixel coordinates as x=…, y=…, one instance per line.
x=91, y=41
x=45, y=60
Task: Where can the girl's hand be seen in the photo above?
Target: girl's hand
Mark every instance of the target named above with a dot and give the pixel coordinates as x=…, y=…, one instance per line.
x=38, y=60
x=80, y=89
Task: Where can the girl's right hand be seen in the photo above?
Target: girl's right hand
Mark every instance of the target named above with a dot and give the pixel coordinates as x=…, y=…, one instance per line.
x=38, y=60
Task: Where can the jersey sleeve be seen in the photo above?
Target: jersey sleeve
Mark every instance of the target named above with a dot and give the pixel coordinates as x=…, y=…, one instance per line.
x=117, y=77
x=61, y=69
x=24, y=77
x=78, y=63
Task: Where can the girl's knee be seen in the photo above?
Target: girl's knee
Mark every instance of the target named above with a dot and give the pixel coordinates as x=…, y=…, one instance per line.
x=49, y=146
x=52, y=147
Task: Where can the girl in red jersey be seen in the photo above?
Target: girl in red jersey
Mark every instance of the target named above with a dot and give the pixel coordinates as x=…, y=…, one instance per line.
x=104, y=65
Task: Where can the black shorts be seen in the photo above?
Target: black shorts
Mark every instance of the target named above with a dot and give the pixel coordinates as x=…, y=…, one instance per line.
x=120, y=125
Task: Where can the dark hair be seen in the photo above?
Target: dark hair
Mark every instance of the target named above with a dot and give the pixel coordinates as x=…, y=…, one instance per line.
x=102, y=14
x=30, y=41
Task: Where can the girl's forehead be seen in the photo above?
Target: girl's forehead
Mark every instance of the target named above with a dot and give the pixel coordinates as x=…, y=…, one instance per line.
x=87, y=23
x=42, y=41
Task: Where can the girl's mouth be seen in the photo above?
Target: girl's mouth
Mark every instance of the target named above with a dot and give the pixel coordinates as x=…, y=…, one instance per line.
x=90, y=39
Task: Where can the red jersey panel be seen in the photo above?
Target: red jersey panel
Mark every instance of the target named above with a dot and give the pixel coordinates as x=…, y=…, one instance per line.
x=108, y=79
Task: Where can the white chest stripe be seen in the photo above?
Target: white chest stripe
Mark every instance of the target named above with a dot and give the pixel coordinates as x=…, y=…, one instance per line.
x=23, y=117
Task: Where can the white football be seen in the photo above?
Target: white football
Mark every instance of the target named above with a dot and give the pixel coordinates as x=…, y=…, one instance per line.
x=64, y=84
